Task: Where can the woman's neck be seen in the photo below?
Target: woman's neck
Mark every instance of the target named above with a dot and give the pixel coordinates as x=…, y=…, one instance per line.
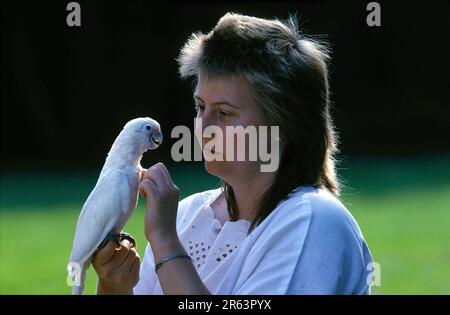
x=248, y=191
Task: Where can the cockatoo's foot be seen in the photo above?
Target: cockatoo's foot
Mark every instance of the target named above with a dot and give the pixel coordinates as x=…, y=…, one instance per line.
x=117, y=238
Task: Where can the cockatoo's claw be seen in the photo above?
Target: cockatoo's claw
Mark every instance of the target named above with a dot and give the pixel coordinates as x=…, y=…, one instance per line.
x=127, y=236
x=117, y=238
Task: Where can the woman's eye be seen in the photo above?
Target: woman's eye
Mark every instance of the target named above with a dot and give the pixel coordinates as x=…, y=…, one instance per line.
x=225, y=113
x=199, y=107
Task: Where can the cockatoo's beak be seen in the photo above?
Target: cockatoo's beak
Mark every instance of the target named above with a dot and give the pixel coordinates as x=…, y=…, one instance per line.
x=157, y=138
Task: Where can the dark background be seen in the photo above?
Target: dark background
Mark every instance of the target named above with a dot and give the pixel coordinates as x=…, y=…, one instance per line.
x=66, y=91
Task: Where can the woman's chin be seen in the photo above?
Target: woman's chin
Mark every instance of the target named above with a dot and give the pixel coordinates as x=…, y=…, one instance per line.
x=215, y=168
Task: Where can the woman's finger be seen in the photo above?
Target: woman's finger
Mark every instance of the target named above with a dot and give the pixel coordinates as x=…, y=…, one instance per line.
x=147, y=188
x=152, y=174
x=105, y=254
x=143, y=172
x=165, y=172
x=135, y=267
x=162, y=174
x=120, y=255
x=128, y=263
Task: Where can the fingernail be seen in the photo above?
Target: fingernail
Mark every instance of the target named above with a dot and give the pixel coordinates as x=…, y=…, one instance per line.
x=126, y=243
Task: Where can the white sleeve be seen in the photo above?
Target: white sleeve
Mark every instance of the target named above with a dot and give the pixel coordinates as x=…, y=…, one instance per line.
x=335, y=257
x=312, y=247
x=272, y=259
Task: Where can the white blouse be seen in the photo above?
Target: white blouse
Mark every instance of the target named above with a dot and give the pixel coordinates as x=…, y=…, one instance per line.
x=309, y=244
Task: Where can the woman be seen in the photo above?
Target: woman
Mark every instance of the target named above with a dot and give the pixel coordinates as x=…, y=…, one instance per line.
x=280, y=232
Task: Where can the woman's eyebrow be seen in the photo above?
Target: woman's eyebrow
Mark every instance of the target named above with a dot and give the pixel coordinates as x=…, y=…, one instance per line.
x=218, y=103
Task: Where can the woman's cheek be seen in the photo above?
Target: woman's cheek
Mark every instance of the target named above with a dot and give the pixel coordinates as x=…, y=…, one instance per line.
x=198, y=132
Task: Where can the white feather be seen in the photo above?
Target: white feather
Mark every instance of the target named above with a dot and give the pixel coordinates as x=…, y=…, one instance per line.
x=114, y=197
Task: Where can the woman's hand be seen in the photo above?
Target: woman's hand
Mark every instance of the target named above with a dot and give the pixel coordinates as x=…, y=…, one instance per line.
x=162, y=203
x=177, y=276
x=117, y=268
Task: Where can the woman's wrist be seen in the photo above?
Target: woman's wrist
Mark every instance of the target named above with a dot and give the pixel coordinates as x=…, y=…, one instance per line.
x=166, y=245
x=163, y=237
x=103, y=288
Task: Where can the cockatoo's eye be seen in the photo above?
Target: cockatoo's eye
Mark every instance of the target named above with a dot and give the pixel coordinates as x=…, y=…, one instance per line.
x=148, y=127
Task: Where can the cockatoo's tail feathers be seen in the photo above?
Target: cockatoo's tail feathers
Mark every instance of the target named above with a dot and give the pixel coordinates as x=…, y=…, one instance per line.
x=77, y=290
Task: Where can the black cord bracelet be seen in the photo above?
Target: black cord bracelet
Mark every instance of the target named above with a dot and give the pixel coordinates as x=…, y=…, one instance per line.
x=162, y=261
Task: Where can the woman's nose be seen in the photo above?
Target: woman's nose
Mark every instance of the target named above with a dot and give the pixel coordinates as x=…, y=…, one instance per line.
x=209, y=120
x=203, y=120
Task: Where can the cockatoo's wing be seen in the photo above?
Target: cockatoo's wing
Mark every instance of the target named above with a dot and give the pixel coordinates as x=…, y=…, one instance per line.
x=108, y=201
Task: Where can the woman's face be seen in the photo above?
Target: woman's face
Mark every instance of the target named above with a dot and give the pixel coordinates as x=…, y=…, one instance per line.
x=223, y=102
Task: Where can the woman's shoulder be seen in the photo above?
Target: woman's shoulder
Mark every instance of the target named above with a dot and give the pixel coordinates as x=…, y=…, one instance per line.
x=319, y=203
x=334, y=244
x=319, y=240
x=318, y=212
x=328, y=212
x=331, y=231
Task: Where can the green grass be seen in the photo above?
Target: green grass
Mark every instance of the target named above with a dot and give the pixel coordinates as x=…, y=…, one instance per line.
x=401, y=205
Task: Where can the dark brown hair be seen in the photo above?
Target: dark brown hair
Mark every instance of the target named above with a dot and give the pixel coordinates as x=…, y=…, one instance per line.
x=288, y=79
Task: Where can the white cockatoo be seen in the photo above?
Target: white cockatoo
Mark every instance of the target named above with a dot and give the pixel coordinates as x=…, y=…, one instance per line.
x=114, y=197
